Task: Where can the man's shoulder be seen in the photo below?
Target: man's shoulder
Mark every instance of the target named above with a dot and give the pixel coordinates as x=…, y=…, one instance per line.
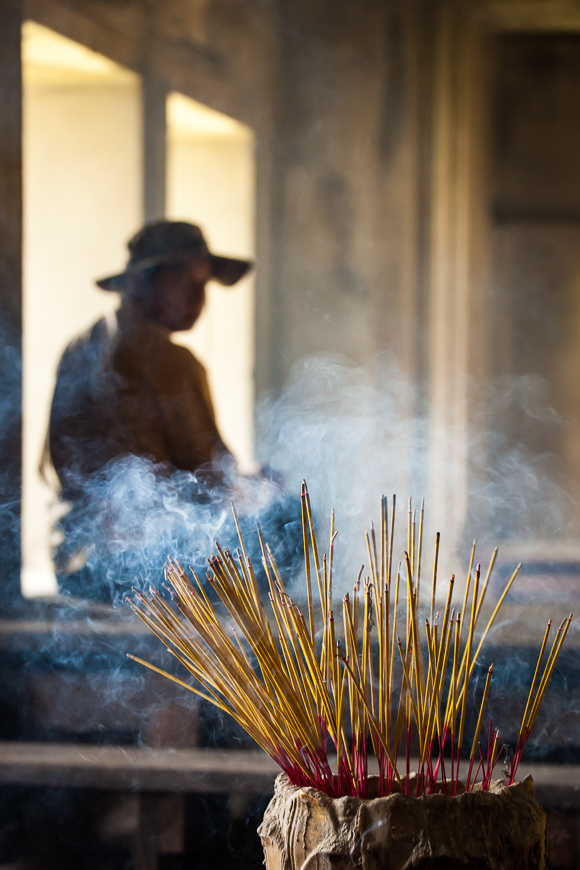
x=180, y=359
x=190, y=363
x=149, y=353
x=89, y=343
x=184, y=353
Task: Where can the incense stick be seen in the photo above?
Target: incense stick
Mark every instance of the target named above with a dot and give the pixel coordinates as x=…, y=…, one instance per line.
x=315, y=695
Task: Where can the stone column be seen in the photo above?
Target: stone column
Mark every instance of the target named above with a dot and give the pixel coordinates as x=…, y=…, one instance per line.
x=154, y=123
x=10, y=303
x=154, y=126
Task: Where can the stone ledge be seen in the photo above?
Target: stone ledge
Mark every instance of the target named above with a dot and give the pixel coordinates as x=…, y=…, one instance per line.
x=131, y=768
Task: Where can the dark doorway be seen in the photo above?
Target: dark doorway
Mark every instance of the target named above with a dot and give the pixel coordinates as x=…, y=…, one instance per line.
x=535, y=209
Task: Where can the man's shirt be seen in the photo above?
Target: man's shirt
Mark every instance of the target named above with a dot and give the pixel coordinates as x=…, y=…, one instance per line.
x=122, y=388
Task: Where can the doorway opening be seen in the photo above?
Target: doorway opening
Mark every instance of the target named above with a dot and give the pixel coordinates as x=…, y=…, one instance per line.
x=82, y=145
x=535, y=246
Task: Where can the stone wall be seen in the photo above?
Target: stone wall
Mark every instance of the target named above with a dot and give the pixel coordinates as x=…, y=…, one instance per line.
x=332, y=91
x=349, y=164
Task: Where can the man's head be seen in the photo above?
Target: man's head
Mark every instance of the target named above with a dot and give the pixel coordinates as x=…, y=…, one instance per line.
x=169, y=267
x=172, y=295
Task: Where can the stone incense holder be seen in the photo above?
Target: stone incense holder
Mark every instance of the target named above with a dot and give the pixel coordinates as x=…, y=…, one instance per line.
x=502, y=829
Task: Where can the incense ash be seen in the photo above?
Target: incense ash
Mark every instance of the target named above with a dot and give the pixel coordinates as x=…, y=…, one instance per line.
x=321, y=696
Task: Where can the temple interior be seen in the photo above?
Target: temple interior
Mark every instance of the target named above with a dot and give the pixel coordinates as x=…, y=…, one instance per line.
x=404, y=175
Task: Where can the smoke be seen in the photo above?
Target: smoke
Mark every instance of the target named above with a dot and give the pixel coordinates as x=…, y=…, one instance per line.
x=133, y=515
x=347, y=429
x=523, y=490
x=351, y=431
x=10, y=474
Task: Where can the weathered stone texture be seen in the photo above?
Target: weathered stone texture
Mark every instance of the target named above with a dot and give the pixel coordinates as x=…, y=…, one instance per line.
x=504, y=829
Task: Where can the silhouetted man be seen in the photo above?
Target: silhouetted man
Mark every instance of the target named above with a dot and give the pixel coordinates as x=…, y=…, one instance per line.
x=125, y=389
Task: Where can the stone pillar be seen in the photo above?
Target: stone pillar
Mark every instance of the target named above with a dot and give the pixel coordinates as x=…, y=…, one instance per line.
x=154, y=123
x=10, y=303
x=154, y=127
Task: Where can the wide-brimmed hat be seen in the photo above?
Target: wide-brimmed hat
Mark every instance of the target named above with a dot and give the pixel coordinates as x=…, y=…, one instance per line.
x=165, y=242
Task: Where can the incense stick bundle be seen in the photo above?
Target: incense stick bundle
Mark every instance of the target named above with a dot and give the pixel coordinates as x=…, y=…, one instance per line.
x=317, y=696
